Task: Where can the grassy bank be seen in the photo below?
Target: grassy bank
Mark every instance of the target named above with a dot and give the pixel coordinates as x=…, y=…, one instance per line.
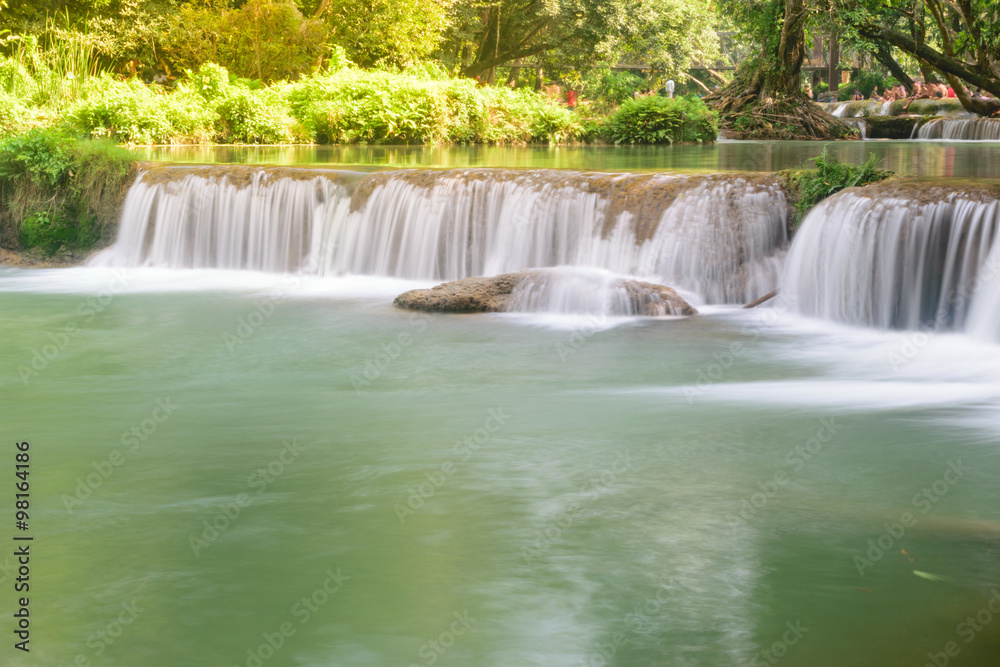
x=341, y=104
x=60, y=195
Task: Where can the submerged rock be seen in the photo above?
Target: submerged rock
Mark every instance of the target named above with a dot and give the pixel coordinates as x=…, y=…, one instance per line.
x=548, y=290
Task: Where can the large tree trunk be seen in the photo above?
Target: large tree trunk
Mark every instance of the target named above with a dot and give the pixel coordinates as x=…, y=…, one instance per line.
x=768, y=101
x=834, y=64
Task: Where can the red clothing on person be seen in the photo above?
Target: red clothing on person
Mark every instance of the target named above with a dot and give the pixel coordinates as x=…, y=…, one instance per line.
x=571, y=98
x=951, y=92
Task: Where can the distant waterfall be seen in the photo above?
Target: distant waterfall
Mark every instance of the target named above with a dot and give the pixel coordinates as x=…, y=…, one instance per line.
x=722, y=236
x=898, y=256
x=981, y=129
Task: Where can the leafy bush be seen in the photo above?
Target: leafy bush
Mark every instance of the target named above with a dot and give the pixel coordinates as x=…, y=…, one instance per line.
x=352, y=105
x=808, y=187
x=610, y=89
x=661, y=120
x=59, y=192
x=132, y=112
x=13, y=114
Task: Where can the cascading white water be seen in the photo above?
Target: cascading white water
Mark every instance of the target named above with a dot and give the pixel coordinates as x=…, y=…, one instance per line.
x=961, y=129
x=241, y=219
x=582, y=291
x=720, y=236
x=840, y=109
x=860, y=124
x=896, y=257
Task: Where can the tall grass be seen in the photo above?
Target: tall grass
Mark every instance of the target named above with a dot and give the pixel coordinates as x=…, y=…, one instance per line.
x=59, y=65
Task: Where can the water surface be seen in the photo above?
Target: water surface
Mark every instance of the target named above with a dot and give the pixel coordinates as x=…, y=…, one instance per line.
x=933, y=159
x=527, y=490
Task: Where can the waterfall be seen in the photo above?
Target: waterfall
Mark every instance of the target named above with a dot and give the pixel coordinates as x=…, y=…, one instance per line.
x=840, y=109
x=233, y=218
x=901, y=256
x=860, y=124
x=581, y=291
x=721, y=236
x=974, y=129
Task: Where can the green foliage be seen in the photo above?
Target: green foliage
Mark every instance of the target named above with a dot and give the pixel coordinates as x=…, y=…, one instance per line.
x=132, y=112
x=49, y=231
x=866, y=82
x=396, y=33
x=570, y=34
x=53, y=186
x=41, y=156
x=808, y=187
x=13, y=115
x=661, y=120
x=352, y=105
x=609, y=88
x=268, y=40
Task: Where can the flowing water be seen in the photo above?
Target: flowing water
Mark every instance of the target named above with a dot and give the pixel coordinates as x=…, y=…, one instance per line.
x=242, y=454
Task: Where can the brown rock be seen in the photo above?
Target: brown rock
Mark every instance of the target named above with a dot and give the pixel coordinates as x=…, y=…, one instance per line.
x=489, y=295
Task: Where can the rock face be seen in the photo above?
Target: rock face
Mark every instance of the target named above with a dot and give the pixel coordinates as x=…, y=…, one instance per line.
x=532, y=291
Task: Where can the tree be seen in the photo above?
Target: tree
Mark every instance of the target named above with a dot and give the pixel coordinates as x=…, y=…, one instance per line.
x=383, y=32
x=765, y=97
x=263, y=39
x=665, y=34
x=958, y=38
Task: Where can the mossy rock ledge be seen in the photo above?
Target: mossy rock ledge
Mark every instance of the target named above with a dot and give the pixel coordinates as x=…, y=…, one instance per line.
x=498, y=294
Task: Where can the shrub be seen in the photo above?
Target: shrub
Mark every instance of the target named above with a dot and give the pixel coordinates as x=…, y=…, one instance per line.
x=808, y=187
x=13, y=114
x=58, y=192
x=132, y=112
x=250, y=116
x=352, y=105
x=661, y=120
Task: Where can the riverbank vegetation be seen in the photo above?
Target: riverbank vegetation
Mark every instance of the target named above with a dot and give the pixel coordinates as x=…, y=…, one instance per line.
x=59, y=194
x=806, y=187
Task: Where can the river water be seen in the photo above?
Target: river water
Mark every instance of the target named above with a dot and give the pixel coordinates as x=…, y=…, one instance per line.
x=235, y=467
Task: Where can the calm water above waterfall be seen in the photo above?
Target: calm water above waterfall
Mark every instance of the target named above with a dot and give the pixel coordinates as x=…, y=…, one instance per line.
x=932, y=159
x=242, y=454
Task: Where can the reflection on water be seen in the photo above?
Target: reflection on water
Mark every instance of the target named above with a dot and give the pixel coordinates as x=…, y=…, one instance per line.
x=489, y=472
x=912, y=158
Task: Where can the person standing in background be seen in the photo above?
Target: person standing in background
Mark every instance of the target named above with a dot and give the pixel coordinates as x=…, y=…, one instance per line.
x=571, y=99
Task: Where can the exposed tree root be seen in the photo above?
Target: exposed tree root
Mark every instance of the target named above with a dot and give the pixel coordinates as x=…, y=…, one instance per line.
x=751, y=117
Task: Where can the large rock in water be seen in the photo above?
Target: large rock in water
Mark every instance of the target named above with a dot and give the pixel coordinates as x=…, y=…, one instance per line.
x=526, y=291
